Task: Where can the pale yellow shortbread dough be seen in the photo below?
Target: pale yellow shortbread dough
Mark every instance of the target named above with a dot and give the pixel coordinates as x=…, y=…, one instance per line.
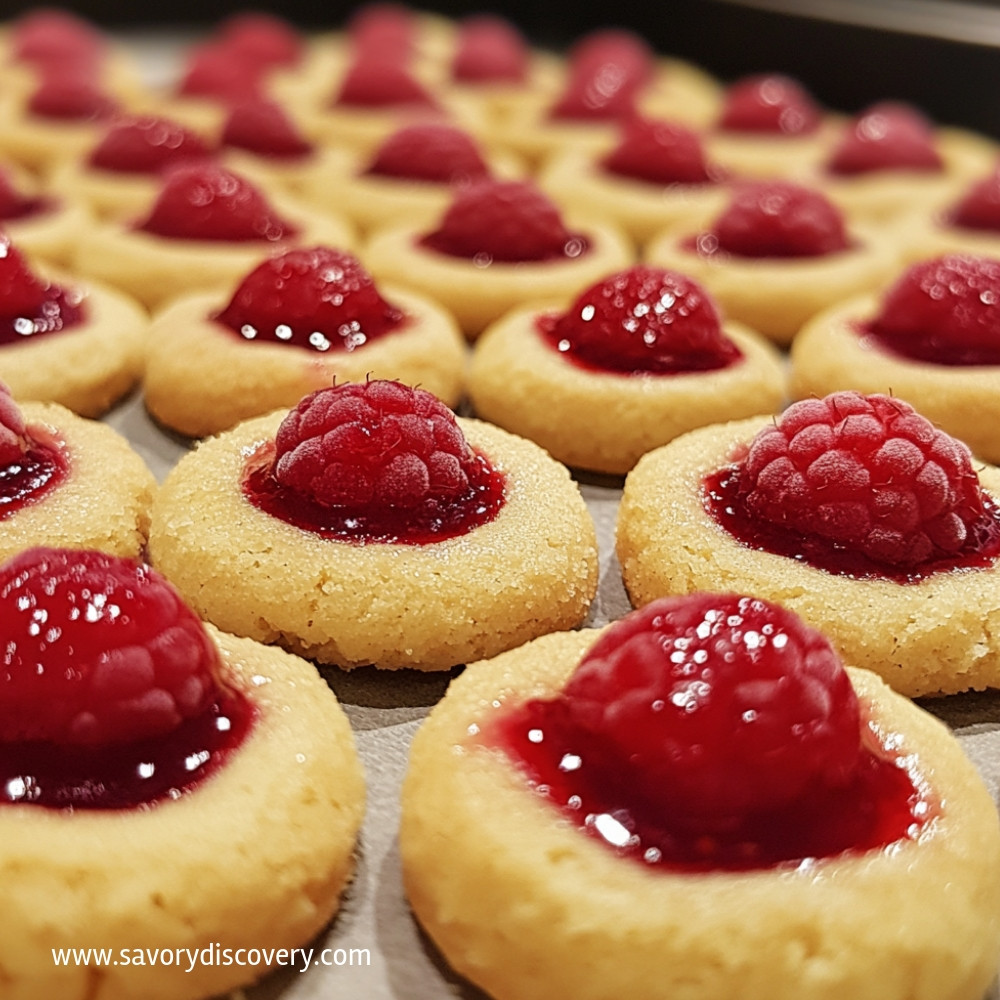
x=254, y=857
x=531, y=570
x=104, y=501
x=202, y=378
x=937, y=636
x=605, y=421
x=832, y=352
x=528, y=907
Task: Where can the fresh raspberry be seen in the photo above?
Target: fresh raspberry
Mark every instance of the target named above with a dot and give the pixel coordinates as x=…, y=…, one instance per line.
x=22, y=292
x=503, y=221
x=214, y=71
x=980, y=206
x=865, y=473
x=780, y=219
x=378, y=443
x=204, y=201
x=769, y=103
x=13, y=203
x=659, y=152
x=317, y=298
x=944, y=310
x=264, y=38
x=644, y=319
x=265, y=128
x=888, y=136
x=718, y=705
x=13, y=432
x=439, y=154
x=70, y=96
x=489, y=49
x=97, y=650
x=378, y=82
x=146, y=144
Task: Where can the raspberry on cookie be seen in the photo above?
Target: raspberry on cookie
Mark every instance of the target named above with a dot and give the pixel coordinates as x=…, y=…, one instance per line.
x=485, y=538
x=852, y=510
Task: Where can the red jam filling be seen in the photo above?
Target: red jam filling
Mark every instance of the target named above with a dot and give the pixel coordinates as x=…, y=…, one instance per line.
x=129, y=775
x=432, y=152
x=218, y=72
x=378, y=82
x=69, y=96
x=430, y=522
x=725, y=739
x=769, y=103
x=146, y=144
x=489, y=50
x=859, y=486
x=888, y=136
x=319, y=299
x=980, y=207
x=723, y=500
x=942, y=311
x=30, y=307
x=34, y=474
x=659, y=152
x=643, y=321
x=262, y=127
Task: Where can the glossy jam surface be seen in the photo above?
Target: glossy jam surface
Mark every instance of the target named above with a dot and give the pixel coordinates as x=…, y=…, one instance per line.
x=504, y=221
x=315, y=298
x=722, y=498
x=943, y=311
x=775, y=219
x=644, y=320
x=34, y=474
x=29, y=306
x=770, y=104
x=130, y=775
x=424, y=525
x=374, y=461
x=713, y=732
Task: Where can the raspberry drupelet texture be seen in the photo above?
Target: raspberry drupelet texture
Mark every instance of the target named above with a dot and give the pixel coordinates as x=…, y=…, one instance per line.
x=869, y=474
x=317, y=298
x=717, y=705
x=778, y=219
x=146, y=144
x=378, y=443
x=660, y=152
x=204, y=201
x=97, y=650
x=888, y=136
x=644, y=319
x=769, y=103
x=507, y=221
x=944, y=310
x=433, y=152
x=13, y=432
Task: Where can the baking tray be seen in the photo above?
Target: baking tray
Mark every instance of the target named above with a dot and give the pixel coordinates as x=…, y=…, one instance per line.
x=385, y=709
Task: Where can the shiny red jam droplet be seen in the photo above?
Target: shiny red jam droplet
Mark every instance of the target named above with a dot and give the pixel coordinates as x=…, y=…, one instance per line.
x=888, y=136
x=489, y=50
x=777, y=219
x=374, y=462
x=264, y=128
x=659, y=152
x=769, y=103
x=506, y=221
x=945, y=311
x=859, y=486
x=645, y=320
x=713, y=732
x=146, y=144
x=110, y=685
x=29, y=306
x=208, y=202
x=431, y=152
x=318, y=298
x=31, y=476
x=16, y=205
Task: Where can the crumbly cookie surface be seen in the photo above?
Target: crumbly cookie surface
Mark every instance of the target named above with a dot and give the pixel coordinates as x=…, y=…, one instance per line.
x=529, y=908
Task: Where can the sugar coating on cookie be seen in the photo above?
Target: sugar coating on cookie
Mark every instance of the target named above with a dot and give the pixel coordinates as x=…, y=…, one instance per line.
x=538, y=894
x=931, y=636
x=530, y=570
